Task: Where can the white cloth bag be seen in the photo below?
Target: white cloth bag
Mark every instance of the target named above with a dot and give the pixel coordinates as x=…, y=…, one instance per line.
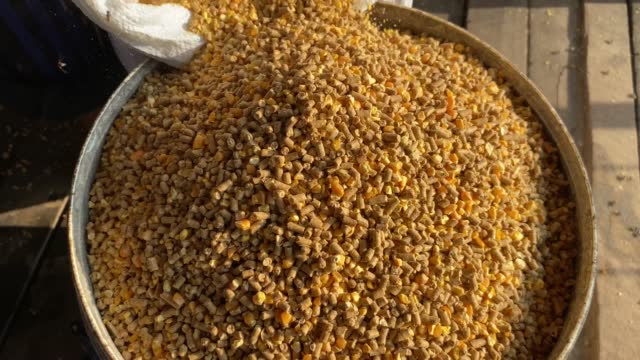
x=139, y=30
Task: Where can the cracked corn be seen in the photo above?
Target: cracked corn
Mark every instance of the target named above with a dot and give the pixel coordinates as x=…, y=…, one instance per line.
x=314, y=187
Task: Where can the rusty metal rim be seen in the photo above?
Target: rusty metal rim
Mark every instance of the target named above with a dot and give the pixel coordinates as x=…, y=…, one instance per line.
x=412, y=20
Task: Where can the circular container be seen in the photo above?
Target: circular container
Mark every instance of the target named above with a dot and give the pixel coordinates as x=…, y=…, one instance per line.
x=416, y=22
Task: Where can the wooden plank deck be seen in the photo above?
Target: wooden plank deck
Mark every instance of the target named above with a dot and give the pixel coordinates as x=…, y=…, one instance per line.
x=556, y=53
x=584, y=57
x=504, y=25
x=614, y=176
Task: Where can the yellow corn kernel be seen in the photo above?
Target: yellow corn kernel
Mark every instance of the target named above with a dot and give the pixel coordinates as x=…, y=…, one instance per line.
x=324, y=279
x=285, y=318
x=402, y=183
x=337, y=276
x=445, y=330
x=469, y=309
x=370, y=193
x=243, y=224
x=477, y=240
x=269, y=299
x=406, y=96
x=198, y=141
x=514, y=214
x=468, y=207
x=287, y=263
x=341, y=343
x=517, y=235
x=439, y=330
x=249, y=319
x=483, y=285
x=449, y=209
x=317, y=189
x=384, y=159
x=259, y=298
x=366, y=168
x=491, y=293
x=491, y=339
x=404, y=299
x=493, y=328
x=336, y=144
x=450, y=103
x=355, y=297
x=498, y=193
x=395, y=166
x=336, y=188
x=457, y=290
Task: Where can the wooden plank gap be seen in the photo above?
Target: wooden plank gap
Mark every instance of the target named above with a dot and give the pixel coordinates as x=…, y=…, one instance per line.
x=633, y=7
x=614, y=169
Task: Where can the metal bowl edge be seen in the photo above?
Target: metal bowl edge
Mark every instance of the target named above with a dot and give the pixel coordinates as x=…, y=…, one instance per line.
x=79, y=211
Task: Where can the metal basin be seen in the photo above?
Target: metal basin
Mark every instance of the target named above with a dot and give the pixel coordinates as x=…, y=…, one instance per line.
x=417, y=22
